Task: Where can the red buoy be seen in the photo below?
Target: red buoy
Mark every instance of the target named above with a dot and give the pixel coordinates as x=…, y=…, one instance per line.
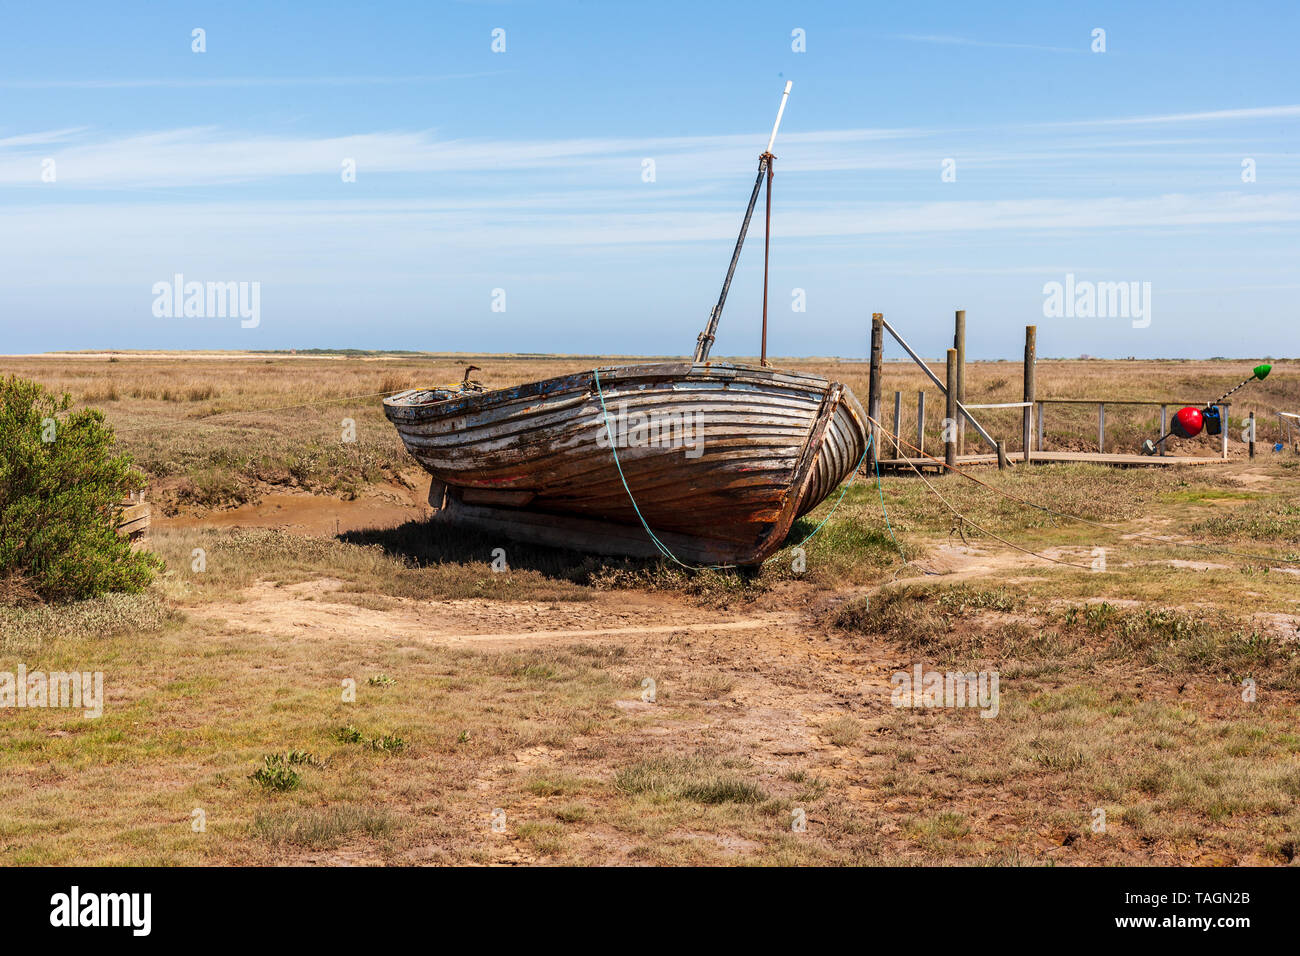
x=1188, y=422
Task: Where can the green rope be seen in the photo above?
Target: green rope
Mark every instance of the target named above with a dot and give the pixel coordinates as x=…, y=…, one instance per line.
x=839, y=499
x=885, y=511
x=659, y=545
x=662, y=548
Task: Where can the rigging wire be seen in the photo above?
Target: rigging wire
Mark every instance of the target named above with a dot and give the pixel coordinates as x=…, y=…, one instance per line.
x=963, y=520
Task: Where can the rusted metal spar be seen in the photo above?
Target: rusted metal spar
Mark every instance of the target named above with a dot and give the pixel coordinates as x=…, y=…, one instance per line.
x=704, y=344
x=767, y=248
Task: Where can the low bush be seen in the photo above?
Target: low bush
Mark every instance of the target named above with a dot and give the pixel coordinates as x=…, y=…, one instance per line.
x=59, y=484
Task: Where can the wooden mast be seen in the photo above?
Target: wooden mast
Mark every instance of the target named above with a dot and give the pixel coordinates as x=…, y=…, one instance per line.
x=704, y=343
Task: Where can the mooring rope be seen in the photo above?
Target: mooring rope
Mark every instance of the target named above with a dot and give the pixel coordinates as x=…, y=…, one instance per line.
x=963, y=520
x=663, y=548
x=875, y=462
x=847, y=485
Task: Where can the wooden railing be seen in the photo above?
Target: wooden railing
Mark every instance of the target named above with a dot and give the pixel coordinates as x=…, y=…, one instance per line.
x=1101, y=417
x=1035, y=439
x=952, y=389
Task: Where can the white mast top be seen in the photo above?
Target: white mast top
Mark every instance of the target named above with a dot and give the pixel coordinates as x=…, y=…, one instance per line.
x=784, y=96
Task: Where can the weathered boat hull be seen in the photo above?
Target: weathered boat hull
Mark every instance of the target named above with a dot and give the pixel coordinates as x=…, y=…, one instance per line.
x=720, y=459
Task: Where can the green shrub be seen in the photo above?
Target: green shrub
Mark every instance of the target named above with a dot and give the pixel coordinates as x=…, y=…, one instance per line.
x=348, y=735
x=59, y=481
x=276, y=774
x=388, y=743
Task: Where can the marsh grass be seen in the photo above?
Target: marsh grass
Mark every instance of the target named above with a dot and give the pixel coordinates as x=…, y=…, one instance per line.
x=692, y=779
x=556, y=786
x=571, y=813
x=1175, y=640
x=921, y=616
x=842, y=731
x=1094, y=710
x=323, y=828
x=236, y=558
x=1276, y=521
x=24, y=629
x=964, y=622
x=959, y=624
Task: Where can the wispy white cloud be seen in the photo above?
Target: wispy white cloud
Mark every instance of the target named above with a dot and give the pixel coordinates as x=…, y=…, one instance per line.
x=209, y=155
x=945, y=40
x=43, y=138
x=1209, y=116
x=256, y=229
x=184, y=82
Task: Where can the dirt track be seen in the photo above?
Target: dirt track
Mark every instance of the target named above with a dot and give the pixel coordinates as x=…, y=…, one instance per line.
x=310, y=611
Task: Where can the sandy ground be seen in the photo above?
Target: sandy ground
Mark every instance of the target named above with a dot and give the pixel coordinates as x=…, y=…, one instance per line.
x=786, y=673
x=786, y=677
x=309, y=611
x=380, y=506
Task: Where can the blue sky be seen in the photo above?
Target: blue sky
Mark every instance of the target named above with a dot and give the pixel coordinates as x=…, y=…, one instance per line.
x=523, y=170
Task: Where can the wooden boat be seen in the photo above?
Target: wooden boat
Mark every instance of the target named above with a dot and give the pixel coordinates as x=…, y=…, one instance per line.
x=699, y=461
x=719, y=459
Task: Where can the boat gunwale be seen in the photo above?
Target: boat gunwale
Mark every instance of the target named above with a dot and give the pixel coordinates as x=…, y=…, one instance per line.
x=615, y=374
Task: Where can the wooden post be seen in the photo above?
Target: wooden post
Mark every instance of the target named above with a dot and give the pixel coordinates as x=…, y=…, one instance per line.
x=873, y=385
x=950, y=421
x=1101, y=427
x=1252, y=434
x=1164, y=425
x=898, y=423
x=1031, y=360
x=1223, y=433
x=1002, y=455
x=959, y=343
x=920, y=421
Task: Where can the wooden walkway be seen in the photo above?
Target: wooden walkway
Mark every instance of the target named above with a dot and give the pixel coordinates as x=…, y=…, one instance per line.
x=133, y=519
x=1046, y=457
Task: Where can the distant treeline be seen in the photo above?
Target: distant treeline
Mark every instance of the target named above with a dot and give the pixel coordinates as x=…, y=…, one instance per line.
x=336, y=352
x=467, y=356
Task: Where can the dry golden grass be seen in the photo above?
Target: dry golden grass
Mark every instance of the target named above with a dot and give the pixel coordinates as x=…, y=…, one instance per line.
x=217, y=428
x=1121, y=691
